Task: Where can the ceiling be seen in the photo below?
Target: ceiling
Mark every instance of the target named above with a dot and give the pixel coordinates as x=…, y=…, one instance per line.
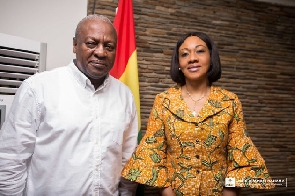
x=280, y=2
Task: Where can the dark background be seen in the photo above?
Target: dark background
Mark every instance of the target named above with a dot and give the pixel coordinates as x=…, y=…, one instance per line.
x=256, y=46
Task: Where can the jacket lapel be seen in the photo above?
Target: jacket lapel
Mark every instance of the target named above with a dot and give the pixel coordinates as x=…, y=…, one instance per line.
x=216, y=102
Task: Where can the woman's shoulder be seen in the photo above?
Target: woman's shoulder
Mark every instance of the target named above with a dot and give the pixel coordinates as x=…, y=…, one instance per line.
x=171, y=91
x=219, y=91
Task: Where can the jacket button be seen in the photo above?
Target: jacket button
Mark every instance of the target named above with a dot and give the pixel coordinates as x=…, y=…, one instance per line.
x=197, y=156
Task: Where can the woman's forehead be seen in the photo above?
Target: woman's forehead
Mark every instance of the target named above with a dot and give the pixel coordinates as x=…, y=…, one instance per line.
x=192, y=41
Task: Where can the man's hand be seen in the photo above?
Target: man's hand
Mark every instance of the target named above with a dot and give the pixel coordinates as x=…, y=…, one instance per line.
x=231, y=191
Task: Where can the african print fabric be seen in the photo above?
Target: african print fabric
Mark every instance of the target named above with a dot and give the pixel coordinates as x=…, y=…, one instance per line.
x=195, y=155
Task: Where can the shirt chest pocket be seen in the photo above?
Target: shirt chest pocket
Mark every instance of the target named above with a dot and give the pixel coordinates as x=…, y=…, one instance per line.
x=112, y=132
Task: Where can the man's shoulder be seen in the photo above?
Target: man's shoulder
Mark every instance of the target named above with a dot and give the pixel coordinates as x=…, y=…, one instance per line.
x=46, y=75
x=118, y=84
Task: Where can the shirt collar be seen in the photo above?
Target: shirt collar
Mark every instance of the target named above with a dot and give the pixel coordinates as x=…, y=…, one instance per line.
x=83, y=80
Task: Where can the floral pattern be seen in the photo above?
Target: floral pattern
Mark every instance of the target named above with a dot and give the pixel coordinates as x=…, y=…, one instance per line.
x=194, y=155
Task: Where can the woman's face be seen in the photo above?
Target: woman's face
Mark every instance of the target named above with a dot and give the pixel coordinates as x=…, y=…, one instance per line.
x=194, y=59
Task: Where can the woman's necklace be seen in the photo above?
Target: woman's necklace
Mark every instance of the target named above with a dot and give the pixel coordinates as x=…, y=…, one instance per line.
x=195, y=101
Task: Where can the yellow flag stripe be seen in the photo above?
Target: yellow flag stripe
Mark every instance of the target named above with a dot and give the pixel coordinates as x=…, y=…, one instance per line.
x=130, y=78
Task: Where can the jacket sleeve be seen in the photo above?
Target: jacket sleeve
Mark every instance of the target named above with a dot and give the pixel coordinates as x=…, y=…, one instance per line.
x=245, y=164
x=17, y=140
x=147, y=164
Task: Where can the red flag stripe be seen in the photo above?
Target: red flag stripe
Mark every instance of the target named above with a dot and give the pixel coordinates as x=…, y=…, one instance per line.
x=124, y=24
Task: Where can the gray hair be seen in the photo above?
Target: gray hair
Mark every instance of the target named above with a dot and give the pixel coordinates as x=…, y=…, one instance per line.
x=93, y=17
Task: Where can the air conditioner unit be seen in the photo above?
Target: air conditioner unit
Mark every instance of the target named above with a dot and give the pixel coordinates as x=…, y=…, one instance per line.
x=20, y=58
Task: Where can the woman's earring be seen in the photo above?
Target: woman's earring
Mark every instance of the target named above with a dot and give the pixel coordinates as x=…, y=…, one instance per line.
x=179, y=68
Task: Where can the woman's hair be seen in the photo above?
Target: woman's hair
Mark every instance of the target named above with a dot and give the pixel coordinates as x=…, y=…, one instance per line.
x=214, y=71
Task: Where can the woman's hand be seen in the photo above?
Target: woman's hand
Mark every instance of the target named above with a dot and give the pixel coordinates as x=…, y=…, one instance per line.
x=231, y=191
x=167, y=191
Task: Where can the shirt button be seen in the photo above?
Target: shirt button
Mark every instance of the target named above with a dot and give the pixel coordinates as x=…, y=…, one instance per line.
x=197, y=156
x=198, y=171
x=197, y=141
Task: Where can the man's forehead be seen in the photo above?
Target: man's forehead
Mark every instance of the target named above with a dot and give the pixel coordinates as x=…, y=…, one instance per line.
x=97, y=24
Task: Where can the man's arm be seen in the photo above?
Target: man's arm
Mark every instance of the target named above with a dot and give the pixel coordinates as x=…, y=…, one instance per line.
x=17, y=141
x=126, y=187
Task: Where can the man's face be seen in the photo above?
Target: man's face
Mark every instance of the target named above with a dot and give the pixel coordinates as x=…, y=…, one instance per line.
x=95, y=48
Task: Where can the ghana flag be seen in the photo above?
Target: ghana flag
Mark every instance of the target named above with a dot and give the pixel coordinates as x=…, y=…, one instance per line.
x=125, y=67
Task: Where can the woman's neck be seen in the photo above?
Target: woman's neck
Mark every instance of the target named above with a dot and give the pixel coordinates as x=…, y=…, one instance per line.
x=196, y=89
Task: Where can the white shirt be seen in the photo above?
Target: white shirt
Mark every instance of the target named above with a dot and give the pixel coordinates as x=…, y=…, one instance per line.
x=63, y=137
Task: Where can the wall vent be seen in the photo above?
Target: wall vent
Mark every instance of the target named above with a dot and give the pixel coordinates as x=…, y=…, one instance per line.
x=20, y=58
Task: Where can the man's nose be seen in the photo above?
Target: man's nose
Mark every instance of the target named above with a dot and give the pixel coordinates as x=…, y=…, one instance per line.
x=99, y=50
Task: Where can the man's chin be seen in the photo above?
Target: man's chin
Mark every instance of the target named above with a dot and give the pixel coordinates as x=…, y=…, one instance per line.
x=97, y=76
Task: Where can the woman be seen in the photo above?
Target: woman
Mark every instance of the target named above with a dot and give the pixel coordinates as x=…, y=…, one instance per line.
x=196, y=142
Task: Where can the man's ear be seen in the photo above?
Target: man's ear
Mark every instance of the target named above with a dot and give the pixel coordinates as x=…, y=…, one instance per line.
x=74, y=44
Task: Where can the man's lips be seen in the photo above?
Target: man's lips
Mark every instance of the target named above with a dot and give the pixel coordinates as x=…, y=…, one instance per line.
x=97, y=64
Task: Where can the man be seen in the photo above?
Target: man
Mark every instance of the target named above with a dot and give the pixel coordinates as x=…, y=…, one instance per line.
x=71, y=130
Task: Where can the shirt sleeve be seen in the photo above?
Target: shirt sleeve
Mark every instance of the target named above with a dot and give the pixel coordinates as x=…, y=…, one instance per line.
x=126, y=187
x=245, y=164
x=17, y=140
x=148, y=163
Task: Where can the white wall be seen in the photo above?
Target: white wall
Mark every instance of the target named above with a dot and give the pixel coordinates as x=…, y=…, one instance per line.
x=48, y=21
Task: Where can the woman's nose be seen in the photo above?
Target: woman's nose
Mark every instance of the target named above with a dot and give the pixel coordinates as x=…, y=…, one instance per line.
x=194, y=57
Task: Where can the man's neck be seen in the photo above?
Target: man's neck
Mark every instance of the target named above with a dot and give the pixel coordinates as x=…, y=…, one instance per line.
x=97, y=82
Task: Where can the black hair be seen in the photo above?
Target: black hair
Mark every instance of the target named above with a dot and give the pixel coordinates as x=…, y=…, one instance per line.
x=214, y=72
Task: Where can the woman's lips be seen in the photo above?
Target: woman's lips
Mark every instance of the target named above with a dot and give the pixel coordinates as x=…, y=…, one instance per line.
x=194, y=68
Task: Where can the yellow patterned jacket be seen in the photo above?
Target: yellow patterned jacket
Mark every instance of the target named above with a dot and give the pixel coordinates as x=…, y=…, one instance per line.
x=195, y=155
